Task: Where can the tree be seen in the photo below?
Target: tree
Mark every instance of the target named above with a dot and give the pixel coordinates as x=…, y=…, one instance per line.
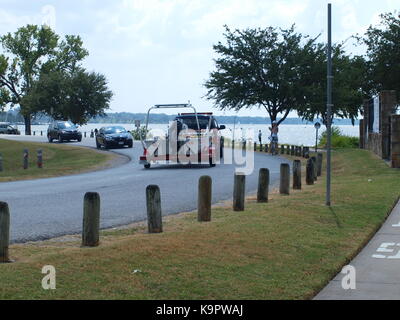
x=77, y=96
x=260, y=68
x=29, y=52
x=349, y=77
x=383, y=54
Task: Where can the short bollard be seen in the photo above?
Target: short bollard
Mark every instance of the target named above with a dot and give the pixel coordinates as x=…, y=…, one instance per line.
x=244, y=145
x=26, y=158
x=314, y=160
x=1, y=162
x=84, y=134
x=319, y=164
x=233, y=144
x=41, y=133
x=4, y=232
x=34, y=133
x=307, y=153
x=288, y=150
x=263, y=185
x=310, y=172
x=239, y=191
x=261, y=147
x=282, y=149
x=91, y=220
x=154, y=215
x=204, y=199
x=40, y=158
x=297, y=174
x=292, y=150
x=285, y=179
x=266, y=148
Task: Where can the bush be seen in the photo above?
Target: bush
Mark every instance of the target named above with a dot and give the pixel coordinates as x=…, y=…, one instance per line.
x=339, y=140
x=136, y=133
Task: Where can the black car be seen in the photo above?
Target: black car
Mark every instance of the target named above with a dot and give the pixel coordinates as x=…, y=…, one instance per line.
x=63, y=131
x=114, y=136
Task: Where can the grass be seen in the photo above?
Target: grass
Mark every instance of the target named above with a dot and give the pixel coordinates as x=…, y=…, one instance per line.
x=58, y=160
x=288, y=248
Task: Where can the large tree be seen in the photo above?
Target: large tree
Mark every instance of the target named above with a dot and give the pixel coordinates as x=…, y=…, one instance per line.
x=29, y=52
x=348, y=79
x=77, y=96
x=259, y=68
x=383, y=54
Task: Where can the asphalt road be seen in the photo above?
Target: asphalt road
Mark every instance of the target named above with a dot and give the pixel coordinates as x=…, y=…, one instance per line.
x=46, y=208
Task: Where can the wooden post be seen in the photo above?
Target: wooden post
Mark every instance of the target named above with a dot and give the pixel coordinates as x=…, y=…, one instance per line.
x=26, y=158
x=266, y=147
x=204, y=199
x=263, y=185
x=285, y=179
x=154, y=215
x=310, y=172
x=282, y=149
x=4, y=232
x=40, y=158
x=261, y=147
x=395, y=141
x=233, y=144
x=314, y=160
x=319, y=164
x=91, y=220
x=255, y=146
x=307, y=152
x=1, y=162
x=34, y=133
x=84, y=134
x=297, y=174
x=239, y=192
x=292, y=150
x=361, y=126
x=41, y=133
x=288, y=150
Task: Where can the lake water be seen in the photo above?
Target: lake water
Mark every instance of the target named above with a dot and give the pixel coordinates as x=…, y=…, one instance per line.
x=290, y=134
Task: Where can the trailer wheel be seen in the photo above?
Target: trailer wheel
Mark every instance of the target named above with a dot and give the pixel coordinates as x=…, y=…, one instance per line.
x=147, y=166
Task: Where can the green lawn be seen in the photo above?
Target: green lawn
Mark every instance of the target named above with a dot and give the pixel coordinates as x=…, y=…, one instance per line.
x=287, y=249
x=58, y=160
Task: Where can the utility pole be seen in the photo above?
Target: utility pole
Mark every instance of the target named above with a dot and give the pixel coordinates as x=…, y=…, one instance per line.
x=329, y=106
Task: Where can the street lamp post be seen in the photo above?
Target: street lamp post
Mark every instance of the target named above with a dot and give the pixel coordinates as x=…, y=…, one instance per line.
x=317, y=125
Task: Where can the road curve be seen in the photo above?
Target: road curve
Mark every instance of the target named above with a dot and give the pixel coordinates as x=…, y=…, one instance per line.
x=45, y=208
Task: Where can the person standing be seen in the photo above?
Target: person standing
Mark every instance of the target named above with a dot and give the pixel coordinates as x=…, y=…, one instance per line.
x=259, y=137
x=274, y=137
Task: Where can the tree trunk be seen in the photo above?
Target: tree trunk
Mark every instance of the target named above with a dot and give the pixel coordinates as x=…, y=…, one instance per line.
x=27, y=120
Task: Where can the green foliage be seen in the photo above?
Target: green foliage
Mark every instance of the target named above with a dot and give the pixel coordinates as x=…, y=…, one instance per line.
x=283, y=71
x=348, y=76
x=339, y=140
x=29, y=53
x=383, y=53
x=139, y=132
x=258, y=67
x=78, y=97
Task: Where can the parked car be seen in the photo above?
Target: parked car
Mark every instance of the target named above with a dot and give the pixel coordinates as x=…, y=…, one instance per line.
x=63, y=131
x=114, y=136
x=8, y=128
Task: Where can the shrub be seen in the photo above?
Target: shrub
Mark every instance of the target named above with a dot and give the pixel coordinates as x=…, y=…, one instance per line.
x=339, y=140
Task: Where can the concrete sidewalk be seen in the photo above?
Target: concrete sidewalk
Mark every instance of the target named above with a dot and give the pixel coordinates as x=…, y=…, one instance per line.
x=377, y=267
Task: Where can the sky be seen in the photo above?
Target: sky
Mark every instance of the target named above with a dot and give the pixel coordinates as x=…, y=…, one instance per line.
x=160, y=51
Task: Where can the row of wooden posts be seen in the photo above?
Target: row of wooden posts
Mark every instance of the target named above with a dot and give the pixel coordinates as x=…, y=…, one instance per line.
x=91, y=202
x=25, y=159
x=292, y=150
x=84, y=134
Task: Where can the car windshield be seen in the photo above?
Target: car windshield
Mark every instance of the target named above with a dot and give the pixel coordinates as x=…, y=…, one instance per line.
x=66, y=125
x=192, y=123
x=111, y=130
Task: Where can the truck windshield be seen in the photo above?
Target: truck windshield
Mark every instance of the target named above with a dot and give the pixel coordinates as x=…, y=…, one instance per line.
x=191, y=122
